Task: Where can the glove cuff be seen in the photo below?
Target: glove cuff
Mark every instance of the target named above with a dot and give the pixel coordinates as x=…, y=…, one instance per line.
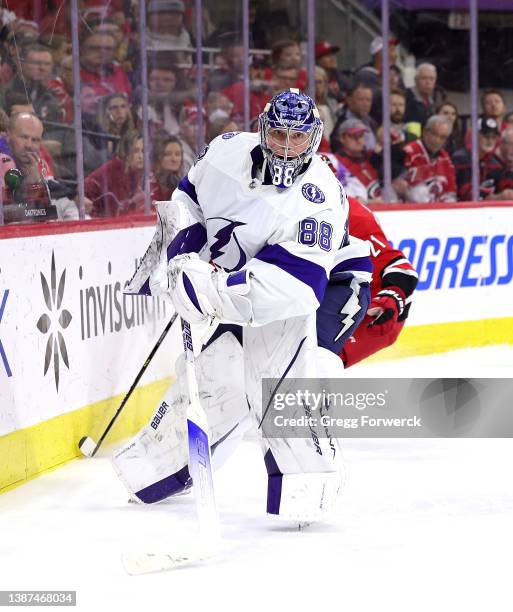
x=234, y=306
x=396, y=294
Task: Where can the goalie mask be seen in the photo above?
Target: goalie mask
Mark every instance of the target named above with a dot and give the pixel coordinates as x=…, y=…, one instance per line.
x=290, y=133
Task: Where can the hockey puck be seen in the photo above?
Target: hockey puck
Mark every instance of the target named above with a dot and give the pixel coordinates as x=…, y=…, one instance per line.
x=87, y=446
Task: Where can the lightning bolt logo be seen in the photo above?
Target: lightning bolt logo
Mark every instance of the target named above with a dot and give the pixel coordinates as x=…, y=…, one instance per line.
x=224, y=235
x=349, y=309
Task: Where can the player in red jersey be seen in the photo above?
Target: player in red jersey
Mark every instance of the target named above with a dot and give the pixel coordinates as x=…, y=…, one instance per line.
x=393, y=282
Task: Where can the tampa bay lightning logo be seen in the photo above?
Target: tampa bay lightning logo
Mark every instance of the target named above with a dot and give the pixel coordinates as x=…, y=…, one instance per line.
x=227, y=245
x=313, y=193
x=228, y=135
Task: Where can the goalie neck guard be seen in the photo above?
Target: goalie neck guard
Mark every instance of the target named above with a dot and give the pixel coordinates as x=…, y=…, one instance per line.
x=290, y=132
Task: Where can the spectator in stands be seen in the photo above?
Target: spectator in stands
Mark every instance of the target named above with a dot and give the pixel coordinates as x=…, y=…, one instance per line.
x=221, y=125
x=36, y=71
x=234, y=94
x=167, y=164
x=259, y=94
x=353, y=154
x=490, y=166
x=505, y=154
x=36, y=63
x=162, y=110
x=494, y=106
x=396, y=78
x=16, y=103
x=59, y=46
x=95, y=150
x=286, y=53
x=429, y=170
x=97, y=66
x=116, y=187
x=421, y=99
x=11, y=61
x=339, y=81
x=358, y=106
x=62, y=90
x=232, y=56
x=24, y=136
x=38, y=186
x=400, y=131
x=455, y=140
x=115, y=118
x=109, y=26
x=283, y=78
x=326, y=106
x=166, y=31
x=188, y=119
x=218, y=106
x=371, y=74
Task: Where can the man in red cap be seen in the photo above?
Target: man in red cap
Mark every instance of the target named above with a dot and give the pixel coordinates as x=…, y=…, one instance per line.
x=352, y=153
x=339, y=81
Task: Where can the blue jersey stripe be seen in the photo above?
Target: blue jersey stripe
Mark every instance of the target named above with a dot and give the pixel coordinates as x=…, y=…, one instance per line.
x=187, y=187
x=306, y=271
x=362, y=264
x=189, y=240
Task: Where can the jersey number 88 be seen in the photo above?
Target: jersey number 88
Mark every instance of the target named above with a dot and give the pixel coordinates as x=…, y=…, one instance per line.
x=311, y=232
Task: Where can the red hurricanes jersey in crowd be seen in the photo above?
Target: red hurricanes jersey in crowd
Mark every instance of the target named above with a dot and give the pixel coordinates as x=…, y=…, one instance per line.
x=364, y=172
x=432, y=178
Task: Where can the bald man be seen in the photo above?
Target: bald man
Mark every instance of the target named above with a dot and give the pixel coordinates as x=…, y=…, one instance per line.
x=38, y=188
x=24, y=137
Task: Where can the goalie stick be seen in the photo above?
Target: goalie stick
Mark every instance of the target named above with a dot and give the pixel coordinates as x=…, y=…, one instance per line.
x=88, y=447
x=207, y=543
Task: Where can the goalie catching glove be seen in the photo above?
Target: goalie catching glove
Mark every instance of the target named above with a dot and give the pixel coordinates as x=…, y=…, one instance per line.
x=385, y=308
x=200, y=291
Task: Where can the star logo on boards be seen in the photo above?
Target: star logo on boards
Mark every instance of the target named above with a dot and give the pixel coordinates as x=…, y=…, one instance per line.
x=54, y=321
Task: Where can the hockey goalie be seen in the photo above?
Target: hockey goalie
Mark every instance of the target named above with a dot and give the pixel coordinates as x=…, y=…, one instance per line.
x=256, y=238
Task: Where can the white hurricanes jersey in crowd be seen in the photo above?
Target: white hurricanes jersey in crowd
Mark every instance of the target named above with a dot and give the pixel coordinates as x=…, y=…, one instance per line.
x=287, y=239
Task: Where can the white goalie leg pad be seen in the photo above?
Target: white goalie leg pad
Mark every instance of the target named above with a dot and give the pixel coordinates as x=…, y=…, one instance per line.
x=153, y=464
x=309, y=497
x=305, y=472
x=328, y=364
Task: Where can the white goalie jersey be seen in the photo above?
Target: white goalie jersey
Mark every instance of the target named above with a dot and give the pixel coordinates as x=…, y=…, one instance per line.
x=284, y=253
x=279, y=246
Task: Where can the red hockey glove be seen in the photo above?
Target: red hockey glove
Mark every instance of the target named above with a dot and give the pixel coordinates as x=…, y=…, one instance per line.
x=385, y=307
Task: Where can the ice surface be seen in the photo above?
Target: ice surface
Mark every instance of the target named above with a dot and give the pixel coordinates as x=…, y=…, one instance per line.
x=422, y=525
